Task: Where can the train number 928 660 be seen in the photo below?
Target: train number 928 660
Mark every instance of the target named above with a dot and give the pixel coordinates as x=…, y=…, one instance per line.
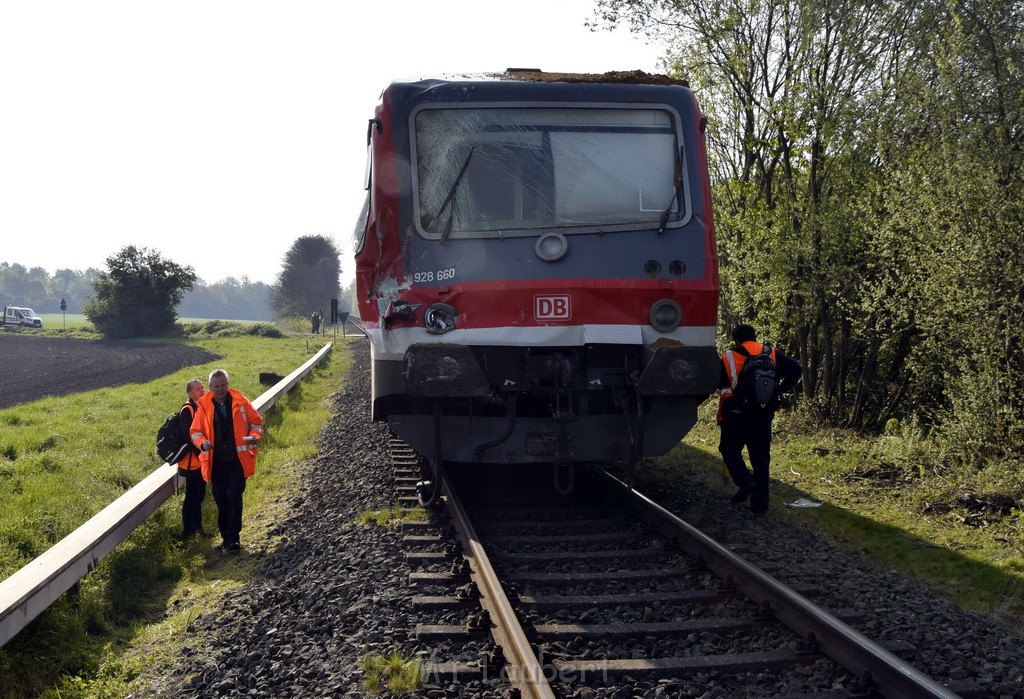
x=431, y=276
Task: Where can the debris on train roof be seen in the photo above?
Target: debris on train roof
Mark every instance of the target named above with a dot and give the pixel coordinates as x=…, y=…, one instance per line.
x=637, y=77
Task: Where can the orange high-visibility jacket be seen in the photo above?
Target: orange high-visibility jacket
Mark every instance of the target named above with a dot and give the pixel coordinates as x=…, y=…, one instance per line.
x=733, y=363
x=246, y=422
x=191, y=461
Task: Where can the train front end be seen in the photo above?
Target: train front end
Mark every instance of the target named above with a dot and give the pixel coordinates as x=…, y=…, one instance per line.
x=537, y=270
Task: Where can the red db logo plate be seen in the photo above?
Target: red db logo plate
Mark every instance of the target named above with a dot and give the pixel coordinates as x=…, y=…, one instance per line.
x=552, y=307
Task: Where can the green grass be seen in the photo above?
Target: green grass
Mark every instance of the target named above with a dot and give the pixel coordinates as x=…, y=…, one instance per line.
x=61, y=461
x=392, y=671
x=55, y=321
x=894, y=499
x=393, y=515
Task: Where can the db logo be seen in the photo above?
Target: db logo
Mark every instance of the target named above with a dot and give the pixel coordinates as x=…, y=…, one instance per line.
x=552, y=307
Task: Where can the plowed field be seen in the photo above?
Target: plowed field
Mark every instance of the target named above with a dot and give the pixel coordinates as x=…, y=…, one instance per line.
x=36, y=367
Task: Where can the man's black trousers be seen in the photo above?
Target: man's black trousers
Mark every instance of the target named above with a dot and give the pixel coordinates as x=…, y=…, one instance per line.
x=192, y=505
x=753, y=431
x=228, y=484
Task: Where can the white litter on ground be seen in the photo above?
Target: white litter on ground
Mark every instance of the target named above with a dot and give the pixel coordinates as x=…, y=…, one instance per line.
x=804, y=502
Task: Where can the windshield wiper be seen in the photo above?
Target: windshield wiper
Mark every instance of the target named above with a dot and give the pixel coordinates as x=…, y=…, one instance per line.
x=677, y=177
x=451, y=196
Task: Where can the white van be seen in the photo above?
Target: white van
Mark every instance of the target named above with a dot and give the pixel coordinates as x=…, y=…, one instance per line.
x=19, y=316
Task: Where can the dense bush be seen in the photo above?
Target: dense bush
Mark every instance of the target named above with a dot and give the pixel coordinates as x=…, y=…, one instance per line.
x=227, y=328
x=138, y=295
x=867, y=164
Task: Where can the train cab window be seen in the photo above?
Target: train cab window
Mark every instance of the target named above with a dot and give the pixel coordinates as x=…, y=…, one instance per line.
x=490, y=171
x=359, y=233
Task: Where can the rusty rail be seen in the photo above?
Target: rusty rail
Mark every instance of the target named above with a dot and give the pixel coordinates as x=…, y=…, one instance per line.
x=892, y=677
x=525, y=672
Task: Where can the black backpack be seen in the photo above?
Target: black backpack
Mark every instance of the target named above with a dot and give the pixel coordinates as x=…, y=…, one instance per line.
x=171, y=446
x=757, y=387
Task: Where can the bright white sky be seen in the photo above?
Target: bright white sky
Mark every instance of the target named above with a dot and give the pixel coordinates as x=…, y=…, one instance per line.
x=219, y=131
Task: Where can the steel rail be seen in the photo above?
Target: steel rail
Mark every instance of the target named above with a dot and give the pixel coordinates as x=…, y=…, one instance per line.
x=526, y=672
x=893, y=677
x=30, y=590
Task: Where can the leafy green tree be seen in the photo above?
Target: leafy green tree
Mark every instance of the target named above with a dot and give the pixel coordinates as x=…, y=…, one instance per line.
x=867, y=163
x=309, y=278
x=138, y=295
x=954, y=153
x=785, y=85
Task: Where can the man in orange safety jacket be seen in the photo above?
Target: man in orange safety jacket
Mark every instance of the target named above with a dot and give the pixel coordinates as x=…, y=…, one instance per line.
x=189, y=467
x=227, y=429
x=742, y=425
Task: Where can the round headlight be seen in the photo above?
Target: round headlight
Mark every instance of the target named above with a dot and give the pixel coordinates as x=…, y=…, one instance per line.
x=666, y=315
x=440, y=318
x=551, y=247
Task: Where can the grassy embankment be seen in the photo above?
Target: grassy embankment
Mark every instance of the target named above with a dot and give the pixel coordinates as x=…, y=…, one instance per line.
x=894, y=499
x=62, y=460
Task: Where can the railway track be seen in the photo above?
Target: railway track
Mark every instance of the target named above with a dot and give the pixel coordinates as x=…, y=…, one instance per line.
x=603, y=589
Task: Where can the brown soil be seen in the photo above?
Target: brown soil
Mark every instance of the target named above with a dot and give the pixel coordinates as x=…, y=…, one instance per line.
x=37, y=367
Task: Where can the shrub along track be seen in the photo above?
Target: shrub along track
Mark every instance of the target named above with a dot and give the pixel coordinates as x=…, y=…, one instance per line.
x=38, y=367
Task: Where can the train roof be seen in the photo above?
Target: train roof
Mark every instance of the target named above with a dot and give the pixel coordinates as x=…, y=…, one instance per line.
x=535, y=75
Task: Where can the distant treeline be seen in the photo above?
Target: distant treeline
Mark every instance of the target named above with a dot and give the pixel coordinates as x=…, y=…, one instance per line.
x=229, y=299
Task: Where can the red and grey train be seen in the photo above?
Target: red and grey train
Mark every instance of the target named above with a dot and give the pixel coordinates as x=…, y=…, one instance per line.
x=536, y=267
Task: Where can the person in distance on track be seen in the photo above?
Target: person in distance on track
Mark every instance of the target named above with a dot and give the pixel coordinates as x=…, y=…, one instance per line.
x=189, y=467
x=227, y=430
x=742, y=425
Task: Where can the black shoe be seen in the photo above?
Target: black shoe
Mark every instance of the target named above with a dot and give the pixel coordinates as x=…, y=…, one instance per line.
x=743, y=494
x=234, y=546
x=759, y=512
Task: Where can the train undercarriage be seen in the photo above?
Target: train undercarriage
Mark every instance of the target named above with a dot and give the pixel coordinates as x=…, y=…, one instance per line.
x=456, y=403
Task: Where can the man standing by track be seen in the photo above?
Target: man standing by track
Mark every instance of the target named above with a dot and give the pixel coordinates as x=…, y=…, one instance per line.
x=189, y=468
x=227, y=430
x=746, y=425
